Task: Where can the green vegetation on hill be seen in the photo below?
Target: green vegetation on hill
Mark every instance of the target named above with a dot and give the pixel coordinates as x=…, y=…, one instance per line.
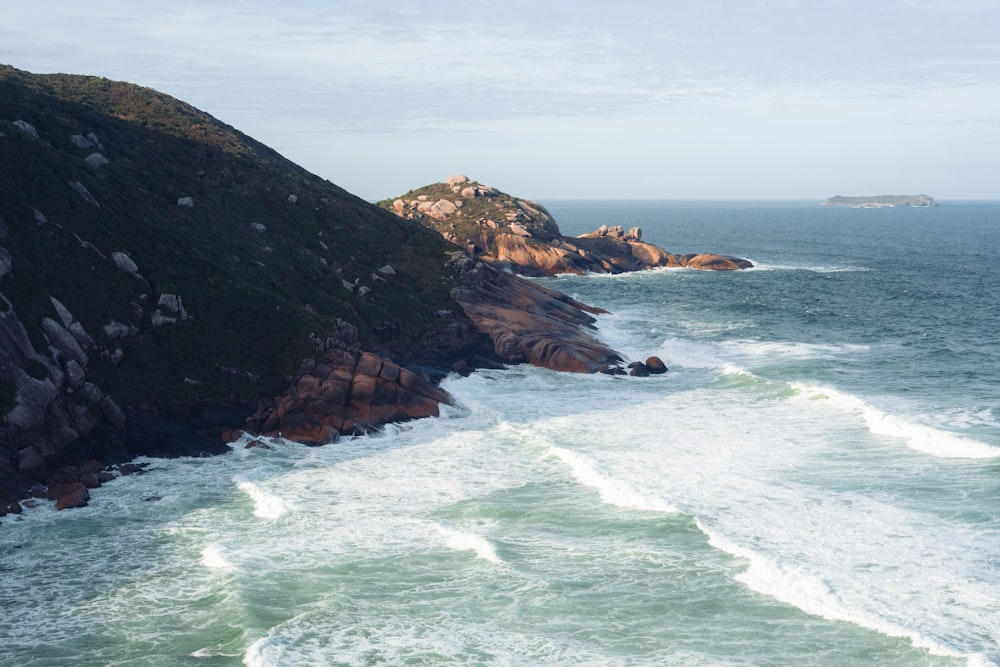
x=267, y=255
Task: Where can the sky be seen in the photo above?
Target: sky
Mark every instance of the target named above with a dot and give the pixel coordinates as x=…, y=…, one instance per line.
x=545, y=99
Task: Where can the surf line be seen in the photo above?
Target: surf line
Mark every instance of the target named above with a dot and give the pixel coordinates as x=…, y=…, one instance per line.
x=920, y=437
x=611, y=491
x=814, y=596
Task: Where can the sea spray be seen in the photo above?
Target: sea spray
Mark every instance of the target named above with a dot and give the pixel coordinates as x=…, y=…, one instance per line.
x=467, y=541
x=214, y=558
x=266, y=505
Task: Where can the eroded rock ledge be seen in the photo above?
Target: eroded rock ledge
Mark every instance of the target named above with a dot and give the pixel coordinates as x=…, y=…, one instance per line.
x=350, y=392
x=528, y=322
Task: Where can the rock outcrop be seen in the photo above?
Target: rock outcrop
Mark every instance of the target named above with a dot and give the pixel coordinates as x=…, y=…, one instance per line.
x=347, y=393
x=521, y=236
x=528, y=322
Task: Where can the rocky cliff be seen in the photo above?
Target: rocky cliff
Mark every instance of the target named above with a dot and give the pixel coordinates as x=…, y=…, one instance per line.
x=167, y=282
x=520, y=235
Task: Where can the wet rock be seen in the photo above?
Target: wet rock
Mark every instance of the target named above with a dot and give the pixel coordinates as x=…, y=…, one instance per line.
x=638, y=369
x=656, y=365
x=90, y=480
x=713, y=262
x=68, y=495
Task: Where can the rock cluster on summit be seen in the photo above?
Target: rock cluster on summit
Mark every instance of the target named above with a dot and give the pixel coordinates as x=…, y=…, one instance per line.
x=521, y=236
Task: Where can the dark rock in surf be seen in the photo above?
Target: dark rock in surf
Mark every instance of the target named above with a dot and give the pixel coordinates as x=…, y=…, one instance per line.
x=67, y=495
x=656, y=366
x=638, y=369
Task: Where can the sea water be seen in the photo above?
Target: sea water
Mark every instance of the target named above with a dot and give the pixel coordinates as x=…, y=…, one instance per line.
x=815, y=481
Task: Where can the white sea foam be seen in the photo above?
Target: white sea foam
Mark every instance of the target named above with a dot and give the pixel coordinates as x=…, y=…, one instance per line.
x=264, y=652
x=810, y=593
x=213, y=558
x=921, y=437
x=691, y=354
x=266, y=505
x=612, y=491
x=465, y=541
x=815, y=268
x=791, y=350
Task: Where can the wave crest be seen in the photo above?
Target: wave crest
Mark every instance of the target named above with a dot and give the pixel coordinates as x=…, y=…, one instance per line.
x=921, y=437
x=814, y=596
x=612, y=491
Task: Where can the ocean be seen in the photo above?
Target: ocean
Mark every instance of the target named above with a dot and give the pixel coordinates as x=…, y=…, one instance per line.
x=815, y=481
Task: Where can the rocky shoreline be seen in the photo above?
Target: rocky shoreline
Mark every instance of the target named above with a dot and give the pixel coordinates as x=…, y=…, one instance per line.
x=168, y=284
x=342, y=391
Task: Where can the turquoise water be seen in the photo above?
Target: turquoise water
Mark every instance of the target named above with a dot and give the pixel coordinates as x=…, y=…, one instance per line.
x=816, y=481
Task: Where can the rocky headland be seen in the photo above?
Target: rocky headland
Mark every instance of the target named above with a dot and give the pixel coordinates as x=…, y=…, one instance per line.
x=168, y=284
x=521, y=236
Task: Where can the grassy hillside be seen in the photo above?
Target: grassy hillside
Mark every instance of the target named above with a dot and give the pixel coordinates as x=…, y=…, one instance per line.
x=260, y=260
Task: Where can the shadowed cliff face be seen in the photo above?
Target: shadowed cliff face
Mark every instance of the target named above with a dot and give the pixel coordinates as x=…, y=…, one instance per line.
x=521, y=236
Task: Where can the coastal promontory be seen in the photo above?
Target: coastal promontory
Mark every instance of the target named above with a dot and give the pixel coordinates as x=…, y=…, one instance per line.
x=522, y=236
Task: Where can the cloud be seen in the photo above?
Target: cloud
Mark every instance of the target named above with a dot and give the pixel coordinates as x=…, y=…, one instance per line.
x=350, y=86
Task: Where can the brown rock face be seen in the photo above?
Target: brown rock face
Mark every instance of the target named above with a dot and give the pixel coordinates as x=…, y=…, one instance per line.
x=527, y=322
x=713, y=262
x=351, y=392
x=532, y=258
x=70, y=494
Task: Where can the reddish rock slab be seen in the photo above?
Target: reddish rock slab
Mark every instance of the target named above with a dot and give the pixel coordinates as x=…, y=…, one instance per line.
x=69, y=495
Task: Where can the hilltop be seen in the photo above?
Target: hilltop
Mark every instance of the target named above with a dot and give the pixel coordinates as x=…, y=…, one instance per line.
x=520, y=235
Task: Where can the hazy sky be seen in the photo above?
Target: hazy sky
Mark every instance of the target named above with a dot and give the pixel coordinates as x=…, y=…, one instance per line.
x=552, y=99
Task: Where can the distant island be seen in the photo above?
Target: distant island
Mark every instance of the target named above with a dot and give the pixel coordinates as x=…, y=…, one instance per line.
x=880, y=201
